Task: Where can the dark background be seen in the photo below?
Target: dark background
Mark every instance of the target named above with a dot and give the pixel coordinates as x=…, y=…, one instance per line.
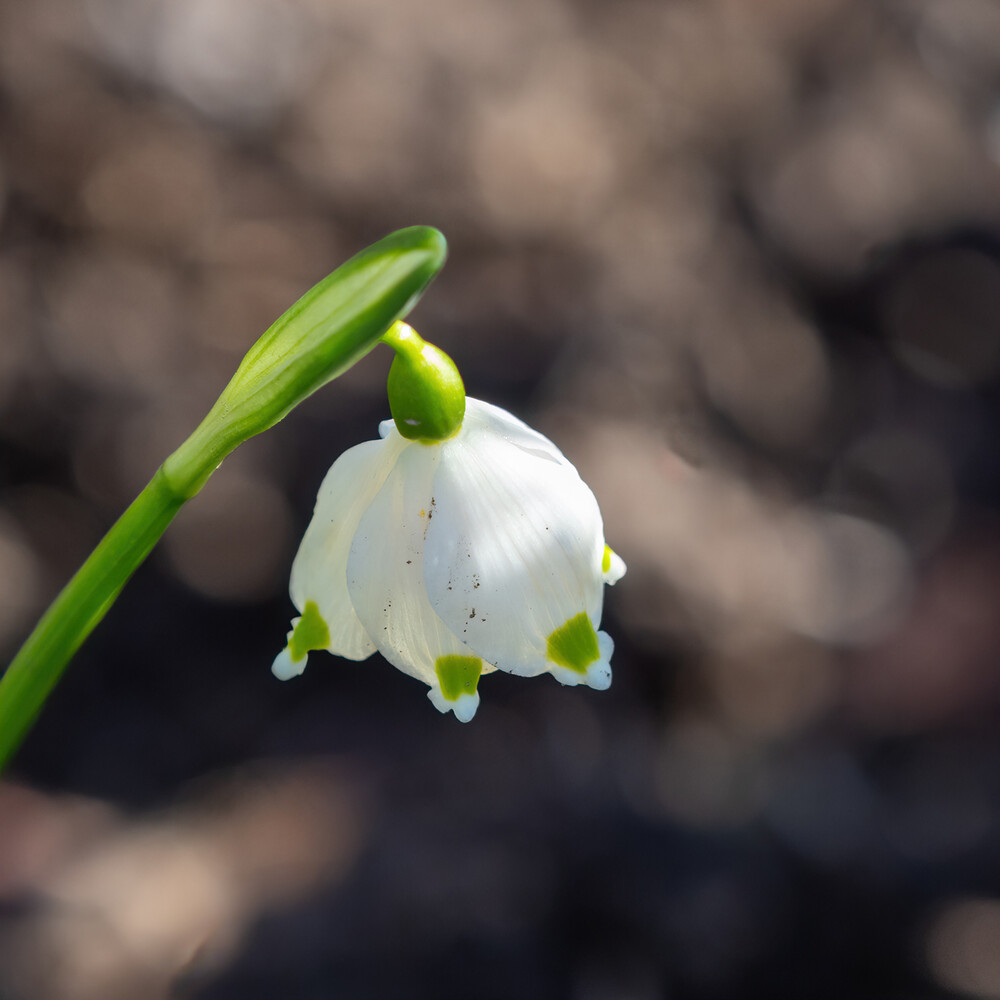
x=741, y=260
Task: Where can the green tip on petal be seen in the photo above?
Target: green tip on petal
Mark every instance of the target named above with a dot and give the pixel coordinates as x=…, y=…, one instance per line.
x=310, y=632
x=458, y=675
x=574, y=645
x=612, y=566
x=426, y=394
x=456, y=690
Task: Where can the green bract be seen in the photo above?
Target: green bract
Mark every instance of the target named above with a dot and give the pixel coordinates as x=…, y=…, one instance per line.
x=426, y=394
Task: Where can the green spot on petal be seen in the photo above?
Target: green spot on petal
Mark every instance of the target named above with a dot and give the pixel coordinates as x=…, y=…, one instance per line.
x=458, y=675
x=574, y=645
x=310, y=633
x=606, y=561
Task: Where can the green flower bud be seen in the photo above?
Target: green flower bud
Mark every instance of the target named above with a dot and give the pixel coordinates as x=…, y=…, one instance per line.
x=426, y=394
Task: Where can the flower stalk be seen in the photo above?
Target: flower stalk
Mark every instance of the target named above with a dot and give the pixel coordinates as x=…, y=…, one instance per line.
x=324, y=333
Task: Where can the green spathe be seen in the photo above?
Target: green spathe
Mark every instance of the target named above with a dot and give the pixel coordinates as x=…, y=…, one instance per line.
x=426, y=394
x=458, y=675
x=333, y=326
x=574, y=645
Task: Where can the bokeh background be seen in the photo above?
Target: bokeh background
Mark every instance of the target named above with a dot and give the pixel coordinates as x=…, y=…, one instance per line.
x=741, y=260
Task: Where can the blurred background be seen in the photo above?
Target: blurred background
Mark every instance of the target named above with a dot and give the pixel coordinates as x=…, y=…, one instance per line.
x=741, y=260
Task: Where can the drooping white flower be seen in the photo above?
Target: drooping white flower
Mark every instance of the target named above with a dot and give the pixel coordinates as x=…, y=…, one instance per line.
x=455, y=558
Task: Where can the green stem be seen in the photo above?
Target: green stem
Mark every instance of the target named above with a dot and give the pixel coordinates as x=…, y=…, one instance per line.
x=329, y=329
x=82, y=603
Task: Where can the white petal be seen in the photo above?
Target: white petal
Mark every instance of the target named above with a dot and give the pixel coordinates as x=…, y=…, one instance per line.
x=285, y=668
x=515, y=547
x=482, y=416
x=319, y=572
x=385, y=569
x=464, y=706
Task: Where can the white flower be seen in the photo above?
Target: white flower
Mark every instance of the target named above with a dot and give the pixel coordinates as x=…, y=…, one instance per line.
x=452, y=559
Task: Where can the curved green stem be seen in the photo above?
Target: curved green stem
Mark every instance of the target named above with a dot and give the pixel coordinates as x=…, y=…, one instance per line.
x=82, y=603
x=329, y=329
